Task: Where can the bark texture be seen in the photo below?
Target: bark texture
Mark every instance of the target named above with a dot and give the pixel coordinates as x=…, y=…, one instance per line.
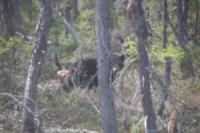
x=108, y=116
x=34, y=71
x=141, y=33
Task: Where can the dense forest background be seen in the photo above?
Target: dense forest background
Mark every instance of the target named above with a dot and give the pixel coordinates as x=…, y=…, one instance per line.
x=168, y=30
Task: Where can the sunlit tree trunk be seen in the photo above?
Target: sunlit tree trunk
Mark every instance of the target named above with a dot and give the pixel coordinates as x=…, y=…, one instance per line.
x=140, y=30
x=39, y=49
x=108, y=117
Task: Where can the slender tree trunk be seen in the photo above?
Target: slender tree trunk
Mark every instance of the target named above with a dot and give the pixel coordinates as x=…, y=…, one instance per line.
x=186, y=62
x=182, y=34
x=159, y=6
x=108, y=117
x=11, y=16
x=165, y=23
x=197, y=20
x=8, y=19
x=185, y=11
x=168, y=62
x=75, y=12
x=168, y=66
x=34, y=71
x=141, y=33
x=16, y=11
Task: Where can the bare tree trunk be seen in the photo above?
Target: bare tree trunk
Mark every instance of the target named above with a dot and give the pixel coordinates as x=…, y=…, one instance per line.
x=8, y=19
x=196, y=20
x=185, y=11
x=141, y=33
x=168, y=62
x=186, y=62
x=182, y=34
x=165, y=23
x=16, y=12
x=75, y=12
x=108, y=117
x=11, y=17
x=34, y=71
x=159, y=6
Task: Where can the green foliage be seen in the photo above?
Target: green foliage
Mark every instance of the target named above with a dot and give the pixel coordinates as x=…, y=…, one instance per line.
x=130, y=47
x=12, y=56
x=67, y=50
x=29, y=13
x=57, y=26
x=194, y=52
x=75, y=105
x=196, y=85
x=14, y=42
x=84, y=26
x=159, y=53
x=13, y=46
x=135, y=127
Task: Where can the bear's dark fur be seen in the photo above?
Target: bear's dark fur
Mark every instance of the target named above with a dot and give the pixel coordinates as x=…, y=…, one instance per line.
x=83, y=73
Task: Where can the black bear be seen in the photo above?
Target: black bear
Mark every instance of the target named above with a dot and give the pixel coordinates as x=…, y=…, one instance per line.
x=83, y=73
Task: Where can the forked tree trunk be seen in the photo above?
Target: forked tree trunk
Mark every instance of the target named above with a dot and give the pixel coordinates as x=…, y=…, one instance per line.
x=34, y=71
x=108, y=117
x=141, y=33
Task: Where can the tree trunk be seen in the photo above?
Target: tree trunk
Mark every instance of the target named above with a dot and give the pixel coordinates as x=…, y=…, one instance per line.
x=182, y=34
x=165, y=23
x=185, y=11
x=138, y=21
x=8, y=19
x=196, y=20
x=108, y=117
x=74, y=5
x=168, y=62
x=16, y=12
x=186, y=62
x=159, y=7
x=37, y=60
